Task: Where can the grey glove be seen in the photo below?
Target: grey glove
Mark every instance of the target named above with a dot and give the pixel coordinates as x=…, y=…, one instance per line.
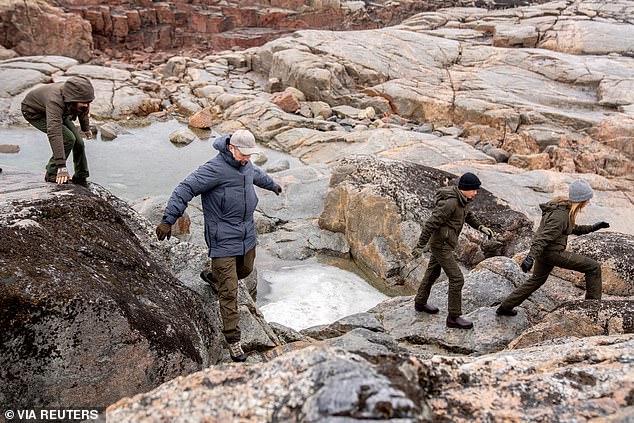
x=163, y=230
x=62, y=175
x=488, y=232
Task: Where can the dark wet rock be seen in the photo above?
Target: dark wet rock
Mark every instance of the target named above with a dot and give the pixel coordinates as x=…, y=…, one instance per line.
x=111, y=130
x=312, y=384
x=286, y=334
x=581, y=319
x=371, y=345
x=342, y=326
x=380, y=205
x=85, y=285
x=80, y=292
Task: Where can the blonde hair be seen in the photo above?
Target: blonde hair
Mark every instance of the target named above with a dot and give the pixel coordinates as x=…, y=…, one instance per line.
x=575, y=207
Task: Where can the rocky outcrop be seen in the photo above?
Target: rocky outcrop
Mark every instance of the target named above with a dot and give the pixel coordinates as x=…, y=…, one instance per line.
x=552, y=382
x=124, y=28
x=313, y=384
x=33, y=27
x=90, y=313
x=380, y=205
x=455, y=71
x=581, y=319
x=119, y=93
x=615, y=252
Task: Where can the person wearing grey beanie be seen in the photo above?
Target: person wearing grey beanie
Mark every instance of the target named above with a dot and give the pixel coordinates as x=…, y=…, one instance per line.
x=549, y=247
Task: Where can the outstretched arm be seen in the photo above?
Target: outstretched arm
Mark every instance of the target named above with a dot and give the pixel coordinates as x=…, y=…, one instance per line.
x=201, y=180
x=262, y=180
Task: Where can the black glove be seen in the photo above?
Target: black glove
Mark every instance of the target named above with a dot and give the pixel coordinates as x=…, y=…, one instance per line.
x=163, y=230
x=277, y=190
x=600, y=225
x=527, y=264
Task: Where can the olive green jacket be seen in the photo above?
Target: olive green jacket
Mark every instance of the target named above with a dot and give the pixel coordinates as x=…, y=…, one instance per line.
x=554, y=228
x=54, y=102
x=448, y=217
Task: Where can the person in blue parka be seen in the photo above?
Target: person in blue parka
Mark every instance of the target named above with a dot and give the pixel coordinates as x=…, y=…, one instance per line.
x=226, y=186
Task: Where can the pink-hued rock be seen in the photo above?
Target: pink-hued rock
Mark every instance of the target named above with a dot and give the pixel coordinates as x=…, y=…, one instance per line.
x=286, y=101
x=34, y=27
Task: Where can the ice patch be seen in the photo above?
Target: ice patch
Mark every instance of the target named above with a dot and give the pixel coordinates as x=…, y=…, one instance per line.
x=309, y=295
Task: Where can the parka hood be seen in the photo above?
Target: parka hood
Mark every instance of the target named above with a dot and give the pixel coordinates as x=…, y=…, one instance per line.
x=221, y=144
x=450, y=192
x=78, y=89
x=554, y=205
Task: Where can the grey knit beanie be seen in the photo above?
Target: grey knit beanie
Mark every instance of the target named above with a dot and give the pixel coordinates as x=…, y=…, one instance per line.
x=579, y=191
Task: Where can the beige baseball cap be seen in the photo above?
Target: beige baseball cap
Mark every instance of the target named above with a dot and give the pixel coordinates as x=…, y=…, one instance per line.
x=244, y=141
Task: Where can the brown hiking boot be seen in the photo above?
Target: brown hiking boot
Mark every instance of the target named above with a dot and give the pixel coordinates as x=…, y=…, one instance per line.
x=50, y=177
x=427, y=308
x=236, y=353
x=208, y=277
x=501, y=311
x=458, y=322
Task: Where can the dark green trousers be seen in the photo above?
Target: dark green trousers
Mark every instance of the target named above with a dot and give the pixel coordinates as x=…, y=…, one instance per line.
x=73, y=142
x=227, y=271
x=545, y=264
x=443, y=259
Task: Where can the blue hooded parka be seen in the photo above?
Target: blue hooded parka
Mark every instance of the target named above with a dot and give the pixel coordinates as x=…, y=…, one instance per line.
x=228, y=196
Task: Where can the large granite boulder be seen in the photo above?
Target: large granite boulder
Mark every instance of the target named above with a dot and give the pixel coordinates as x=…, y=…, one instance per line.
x=312, y=384
x=90, y=311
x=581, y=319
x=571, y=380
x=380, y=206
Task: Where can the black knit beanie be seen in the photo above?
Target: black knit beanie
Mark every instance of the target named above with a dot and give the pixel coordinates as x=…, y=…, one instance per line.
x=469, y=182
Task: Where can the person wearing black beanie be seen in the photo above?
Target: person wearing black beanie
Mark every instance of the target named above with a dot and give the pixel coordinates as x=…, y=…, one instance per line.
x=441, y=231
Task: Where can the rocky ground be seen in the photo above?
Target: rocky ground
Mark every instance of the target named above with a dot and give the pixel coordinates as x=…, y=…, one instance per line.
x=529, y=98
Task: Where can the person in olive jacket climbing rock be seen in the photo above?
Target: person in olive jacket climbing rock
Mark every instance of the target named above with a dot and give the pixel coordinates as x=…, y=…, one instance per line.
x=52, y=108
x=226, y=186
x=549, y=247
x=441, y=231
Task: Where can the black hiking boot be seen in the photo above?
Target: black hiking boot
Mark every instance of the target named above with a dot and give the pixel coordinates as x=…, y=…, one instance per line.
x=458, y=322
x=427, y=308
x=501, y=311
x=209, y=278
x=80, y=181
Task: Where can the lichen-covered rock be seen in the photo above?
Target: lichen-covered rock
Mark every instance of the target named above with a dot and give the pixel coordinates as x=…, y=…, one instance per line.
x=581, y=319
x=615, y=252
x=93, y=308
x=380, y=206
x=312, y=384
x=556, y=382
x=87, y=315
